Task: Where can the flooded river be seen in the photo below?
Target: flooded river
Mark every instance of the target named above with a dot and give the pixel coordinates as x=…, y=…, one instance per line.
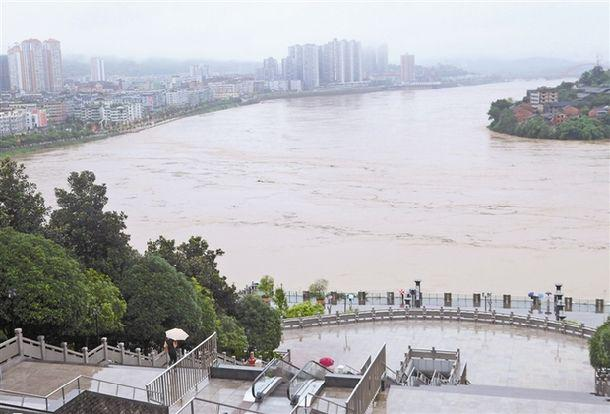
x=368, y=191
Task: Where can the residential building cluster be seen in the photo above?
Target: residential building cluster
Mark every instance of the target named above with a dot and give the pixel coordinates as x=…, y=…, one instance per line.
x=336, y=63
x=35, y=66
x=546, y=102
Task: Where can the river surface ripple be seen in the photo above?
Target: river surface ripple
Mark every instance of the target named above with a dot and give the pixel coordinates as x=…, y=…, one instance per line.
x=369, y=191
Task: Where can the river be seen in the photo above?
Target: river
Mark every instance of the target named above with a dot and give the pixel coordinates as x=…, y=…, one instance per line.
x=368, y=191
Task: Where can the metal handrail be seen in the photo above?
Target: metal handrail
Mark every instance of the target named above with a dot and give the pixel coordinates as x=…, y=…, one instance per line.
x=303, y=370
x=186, y=374
x=237, y=410
x=274, y=363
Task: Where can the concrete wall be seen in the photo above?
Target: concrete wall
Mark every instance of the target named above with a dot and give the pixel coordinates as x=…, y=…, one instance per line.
x=236, y=372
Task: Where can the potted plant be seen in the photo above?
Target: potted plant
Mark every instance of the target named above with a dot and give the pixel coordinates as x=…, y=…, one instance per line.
x=266, y=286
x=317, y=289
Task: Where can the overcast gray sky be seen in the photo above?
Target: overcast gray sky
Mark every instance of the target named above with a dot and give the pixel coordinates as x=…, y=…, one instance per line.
x=254, y=30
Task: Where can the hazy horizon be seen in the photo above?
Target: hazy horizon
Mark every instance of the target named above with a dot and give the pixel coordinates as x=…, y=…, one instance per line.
x=251, y=31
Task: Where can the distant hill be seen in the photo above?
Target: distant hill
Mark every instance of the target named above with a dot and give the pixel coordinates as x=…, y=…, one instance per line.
x=78, y=66
x=529, y=68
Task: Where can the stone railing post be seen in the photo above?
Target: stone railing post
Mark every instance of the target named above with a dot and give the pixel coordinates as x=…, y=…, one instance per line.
x=373, y=313
x=476, y=314
x=406, y=313
x=64, y=351
x=104, y=341
x=122, y=350
x=546, y=322
x=493, y=316
x=139, y=354
x=356, y=316
x=391, y=312
x=85, y=352
x=423, y=312
x=459, y=313
x=442, y=313
x=512, y=317
x=301, y=322
x=582, y=329
x=42, y=347
x=19, y=335
x=337, y=317
x=319, y=319
x=153, y=357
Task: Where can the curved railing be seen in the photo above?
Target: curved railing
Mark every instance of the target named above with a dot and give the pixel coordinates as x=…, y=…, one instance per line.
x=390, y=314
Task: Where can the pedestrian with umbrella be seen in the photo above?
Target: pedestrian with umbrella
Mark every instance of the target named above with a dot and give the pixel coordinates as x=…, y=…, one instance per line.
x=172, y=337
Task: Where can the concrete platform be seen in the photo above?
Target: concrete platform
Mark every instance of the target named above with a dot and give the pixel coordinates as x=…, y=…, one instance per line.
x=495, y=354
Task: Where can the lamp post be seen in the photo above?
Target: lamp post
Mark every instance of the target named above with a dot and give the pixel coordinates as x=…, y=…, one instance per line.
x=96, y=313
x=559, y=305
x=548, y=303
x=12, y=294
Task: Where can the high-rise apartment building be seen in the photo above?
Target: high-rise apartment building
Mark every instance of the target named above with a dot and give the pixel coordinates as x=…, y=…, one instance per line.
x=5, y=81
x=311, y=67
x=407, y=68
x=198, y=72
x=98, y=72
x=53, y=65
x=270, y=69
x=15, y=68
x=33, y=66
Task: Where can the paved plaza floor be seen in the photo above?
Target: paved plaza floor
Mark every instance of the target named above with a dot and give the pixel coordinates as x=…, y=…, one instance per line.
x=495, y=354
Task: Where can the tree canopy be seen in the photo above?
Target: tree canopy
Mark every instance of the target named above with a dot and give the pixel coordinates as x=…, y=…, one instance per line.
x=50, y=292
x=21, y=206
x=599, y=347
x=262, y=324
x=195, y=258
x=159, y=298
x=81, y=225
x=595, y=77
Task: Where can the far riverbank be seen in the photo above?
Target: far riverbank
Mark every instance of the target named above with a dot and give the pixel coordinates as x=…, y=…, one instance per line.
x=39, y=146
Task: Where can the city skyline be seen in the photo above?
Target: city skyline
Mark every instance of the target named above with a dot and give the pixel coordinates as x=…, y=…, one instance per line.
x=424, y=30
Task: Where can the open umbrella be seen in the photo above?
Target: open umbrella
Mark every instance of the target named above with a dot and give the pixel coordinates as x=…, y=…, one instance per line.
x=327, y=362
x=176, y=334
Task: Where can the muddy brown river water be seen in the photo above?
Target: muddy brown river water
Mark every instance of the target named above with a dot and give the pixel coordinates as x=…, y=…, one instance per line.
x=369, y=191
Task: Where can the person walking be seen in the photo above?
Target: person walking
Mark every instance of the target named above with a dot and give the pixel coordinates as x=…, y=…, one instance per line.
x=170, y=347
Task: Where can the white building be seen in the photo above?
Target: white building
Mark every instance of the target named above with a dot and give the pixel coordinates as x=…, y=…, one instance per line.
x=53, y=65
x=15, y=68
x=407, y=68
x=13, y=122
x=98, y=72
x=222, y=90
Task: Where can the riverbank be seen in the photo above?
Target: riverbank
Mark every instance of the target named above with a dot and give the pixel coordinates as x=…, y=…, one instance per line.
x=39, y=146
x=502, y=135
x=31, y=148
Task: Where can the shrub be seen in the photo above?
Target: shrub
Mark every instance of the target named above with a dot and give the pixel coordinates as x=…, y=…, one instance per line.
x=304, y=309
x=599, y=347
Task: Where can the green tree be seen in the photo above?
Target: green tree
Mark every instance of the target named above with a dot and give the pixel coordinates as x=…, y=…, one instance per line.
x=319, y=288
x=507, y=123
x=81, y=225
x=195, y=258
x=266, y=285
x=21, y=206
x=158, y=298
x=599, y=347
x=231, y=336
x=279, y=297
x=205, y=300
x=304, y=309
x=49, y=292
x=105, y=305
x=496, y=109
x=262, y=324
x=595, y=77
x=583, y=128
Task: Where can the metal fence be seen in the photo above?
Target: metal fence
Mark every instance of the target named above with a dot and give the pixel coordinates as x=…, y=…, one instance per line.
x=185, y=375
x=356, y=299
x=369, y=385
x=203, y=406
x=441, y=314
x=68, y=391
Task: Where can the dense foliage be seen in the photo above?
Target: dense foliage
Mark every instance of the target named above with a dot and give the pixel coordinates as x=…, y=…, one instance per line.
x=262, y=324
x=21, y=206
x=304, y=309
x=599, y=347
x=578, y=126
x=81, y=225
x=84, y=280
x=50, y=292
